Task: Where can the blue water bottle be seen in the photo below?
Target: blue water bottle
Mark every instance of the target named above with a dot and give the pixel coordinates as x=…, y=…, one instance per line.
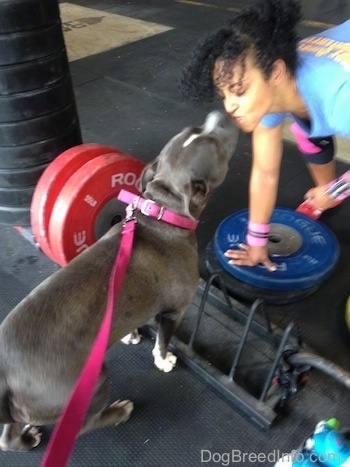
x=329, y=445
x=326, y=447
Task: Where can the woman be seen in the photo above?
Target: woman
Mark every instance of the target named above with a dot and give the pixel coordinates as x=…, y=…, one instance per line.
x=263, y=74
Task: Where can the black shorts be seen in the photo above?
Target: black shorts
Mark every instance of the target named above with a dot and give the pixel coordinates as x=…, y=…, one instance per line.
x=326, y=154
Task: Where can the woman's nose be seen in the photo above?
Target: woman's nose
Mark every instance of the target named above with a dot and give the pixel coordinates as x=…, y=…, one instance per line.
x=230, y=105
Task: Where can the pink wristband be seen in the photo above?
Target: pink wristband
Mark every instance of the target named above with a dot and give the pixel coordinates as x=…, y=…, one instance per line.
x=256, y=241
x=257, y=234
x=258, y=228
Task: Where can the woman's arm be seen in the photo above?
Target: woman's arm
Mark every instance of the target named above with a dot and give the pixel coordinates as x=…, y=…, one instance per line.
x=263, y=185
x=267, y=155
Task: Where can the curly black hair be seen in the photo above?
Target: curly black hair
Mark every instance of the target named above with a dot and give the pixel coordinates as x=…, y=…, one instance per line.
x=268, y=29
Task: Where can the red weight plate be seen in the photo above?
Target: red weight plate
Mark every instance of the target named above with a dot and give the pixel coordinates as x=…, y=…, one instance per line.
x=50, y=184
x=88, y=197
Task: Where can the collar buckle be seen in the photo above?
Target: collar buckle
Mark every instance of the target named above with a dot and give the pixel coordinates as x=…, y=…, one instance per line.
x=148, y=206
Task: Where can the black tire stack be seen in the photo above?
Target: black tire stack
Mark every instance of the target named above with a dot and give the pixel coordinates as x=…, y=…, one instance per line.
x=38, y=115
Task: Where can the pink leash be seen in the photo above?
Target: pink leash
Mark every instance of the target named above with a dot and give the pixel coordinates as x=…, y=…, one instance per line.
x=67, y=429
x=71, y=420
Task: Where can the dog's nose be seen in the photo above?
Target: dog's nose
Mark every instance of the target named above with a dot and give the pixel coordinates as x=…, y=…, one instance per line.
x=222, y=125
x=215, y=119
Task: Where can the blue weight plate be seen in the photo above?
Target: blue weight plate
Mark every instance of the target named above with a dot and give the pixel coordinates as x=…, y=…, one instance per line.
x=313, y=261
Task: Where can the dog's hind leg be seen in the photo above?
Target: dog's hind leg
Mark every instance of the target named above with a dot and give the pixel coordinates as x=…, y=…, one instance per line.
x=167, y=324
x=116, y=413
x=16, y=438
x=100, y=414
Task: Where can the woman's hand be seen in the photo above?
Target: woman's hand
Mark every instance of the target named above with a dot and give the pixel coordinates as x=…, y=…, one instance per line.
x=250, y=256
x=319, y=199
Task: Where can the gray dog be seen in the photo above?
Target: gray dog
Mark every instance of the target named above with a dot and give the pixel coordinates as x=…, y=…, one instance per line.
x=46, y=338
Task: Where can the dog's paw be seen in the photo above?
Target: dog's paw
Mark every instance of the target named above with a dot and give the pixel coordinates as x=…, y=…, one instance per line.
x=123, y=409
x=164, y=364
x=17, y=439
x=133, y=338
x=31, y=435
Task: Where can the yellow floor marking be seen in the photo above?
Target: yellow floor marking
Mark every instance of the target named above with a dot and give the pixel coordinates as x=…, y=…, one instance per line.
x=88, y=31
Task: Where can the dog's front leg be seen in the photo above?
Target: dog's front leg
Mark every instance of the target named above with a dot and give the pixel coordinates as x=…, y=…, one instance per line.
x=167, y=324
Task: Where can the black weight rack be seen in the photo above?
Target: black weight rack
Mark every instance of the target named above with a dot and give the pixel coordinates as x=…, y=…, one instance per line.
x=241, y=354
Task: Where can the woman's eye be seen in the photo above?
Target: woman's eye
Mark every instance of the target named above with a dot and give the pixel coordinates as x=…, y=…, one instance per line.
x=240, y=92
x=237, y=89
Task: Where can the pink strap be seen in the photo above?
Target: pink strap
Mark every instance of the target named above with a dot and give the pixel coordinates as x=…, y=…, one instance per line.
x=149, y=208
x=67, y=429
x=339, y=189
x=304, y=145
x=257, y=234
x=258, y=228
x=252, y=240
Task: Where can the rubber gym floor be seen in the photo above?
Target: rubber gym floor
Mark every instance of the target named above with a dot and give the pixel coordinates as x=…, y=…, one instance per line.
x=127, y=96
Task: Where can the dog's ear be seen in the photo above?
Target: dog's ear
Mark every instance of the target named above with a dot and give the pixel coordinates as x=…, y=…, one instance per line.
x=200, y=195
x=148, y=173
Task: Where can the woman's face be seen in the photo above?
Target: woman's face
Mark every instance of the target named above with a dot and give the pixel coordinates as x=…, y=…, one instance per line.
x=246, y=93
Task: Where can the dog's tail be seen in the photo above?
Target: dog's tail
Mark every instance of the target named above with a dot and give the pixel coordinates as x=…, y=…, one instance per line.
x=5, y=401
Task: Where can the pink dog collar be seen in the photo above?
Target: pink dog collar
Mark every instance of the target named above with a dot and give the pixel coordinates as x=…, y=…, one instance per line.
x=150, y=208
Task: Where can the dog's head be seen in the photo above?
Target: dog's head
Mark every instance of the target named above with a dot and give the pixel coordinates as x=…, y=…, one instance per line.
x=191, y=165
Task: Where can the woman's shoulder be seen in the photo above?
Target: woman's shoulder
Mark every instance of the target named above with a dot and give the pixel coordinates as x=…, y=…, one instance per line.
x=324, y=61
x=327, y=48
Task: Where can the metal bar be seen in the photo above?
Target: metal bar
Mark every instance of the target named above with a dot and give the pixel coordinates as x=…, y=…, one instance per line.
x=266, y=316
x=291, y=326
x=201, y=309
x=223, y=288
x=244, y=337
x=238, y=311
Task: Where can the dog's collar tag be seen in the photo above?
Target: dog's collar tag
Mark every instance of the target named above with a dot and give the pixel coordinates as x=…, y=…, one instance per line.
x=150, y=208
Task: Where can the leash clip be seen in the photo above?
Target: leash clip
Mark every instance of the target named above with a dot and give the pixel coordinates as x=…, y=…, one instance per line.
x=130, y=211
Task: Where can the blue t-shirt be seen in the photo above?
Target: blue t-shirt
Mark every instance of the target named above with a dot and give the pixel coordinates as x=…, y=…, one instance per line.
x=323, y=81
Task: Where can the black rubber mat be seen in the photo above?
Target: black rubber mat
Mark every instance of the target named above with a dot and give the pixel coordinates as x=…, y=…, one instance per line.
x=178, y=418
